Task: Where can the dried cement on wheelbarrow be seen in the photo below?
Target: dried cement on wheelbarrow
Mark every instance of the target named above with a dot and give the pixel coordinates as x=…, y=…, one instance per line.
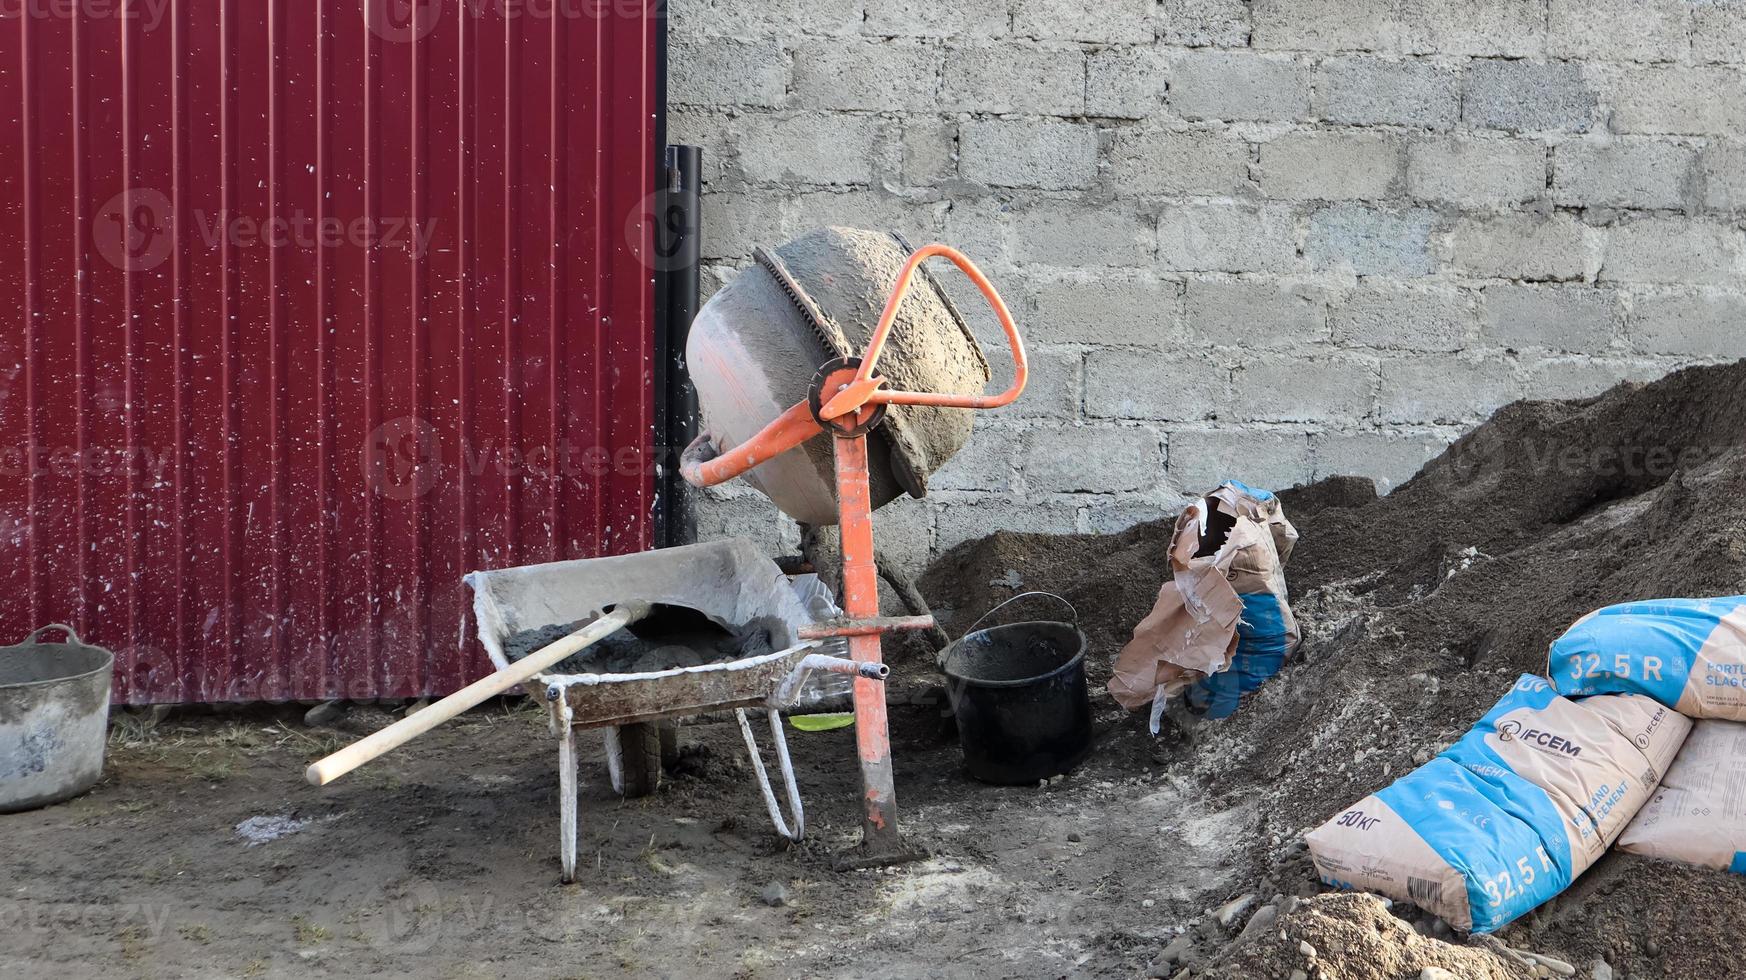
x=671, y=637
x=1419, y=611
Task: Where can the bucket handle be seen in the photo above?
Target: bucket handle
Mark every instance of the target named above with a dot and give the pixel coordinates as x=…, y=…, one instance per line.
x=1023, y=595
x=31, y=640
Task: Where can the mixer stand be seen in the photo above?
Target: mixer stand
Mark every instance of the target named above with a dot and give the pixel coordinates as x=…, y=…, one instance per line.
x=848, y=401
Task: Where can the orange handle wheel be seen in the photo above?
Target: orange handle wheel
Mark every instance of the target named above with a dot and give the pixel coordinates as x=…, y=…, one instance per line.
x=865, y=389
x=701, y=468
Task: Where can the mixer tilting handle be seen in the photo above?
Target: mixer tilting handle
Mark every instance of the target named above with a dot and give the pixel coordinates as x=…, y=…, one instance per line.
x=701, y=466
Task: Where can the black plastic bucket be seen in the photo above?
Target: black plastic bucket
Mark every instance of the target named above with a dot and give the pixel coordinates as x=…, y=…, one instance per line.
x=1018, y=693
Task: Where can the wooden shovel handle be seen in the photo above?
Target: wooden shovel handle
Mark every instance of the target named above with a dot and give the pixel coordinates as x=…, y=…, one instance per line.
x=405, y=730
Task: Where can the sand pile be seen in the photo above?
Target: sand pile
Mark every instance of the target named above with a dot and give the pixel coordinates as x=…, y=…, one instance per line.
x=1421, y=608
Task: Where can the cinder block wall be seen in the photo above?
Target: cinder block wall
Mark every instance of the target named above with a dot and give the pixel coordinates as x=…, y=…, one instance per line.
x=1274, y=240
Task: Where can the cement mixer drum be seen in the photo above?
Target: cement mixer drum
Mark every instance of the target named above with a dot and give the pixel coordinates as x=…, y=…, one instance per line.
x=756, y=345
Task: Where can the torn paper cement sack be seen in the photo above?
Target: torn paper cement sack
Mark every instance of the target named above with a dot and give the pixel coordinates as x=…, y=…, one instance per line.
x=1698, y=814
x=1223, y=624
x=1511, y=814
x=1689, y=654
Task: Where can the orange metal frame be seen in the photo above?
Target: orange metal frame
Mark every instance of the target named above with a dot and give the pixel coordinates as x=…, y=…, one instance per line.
x=858, y=395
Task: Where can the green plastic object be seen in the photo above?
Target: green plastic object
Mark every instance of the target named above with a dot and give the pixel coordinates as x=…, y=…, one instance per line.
x=822, y=723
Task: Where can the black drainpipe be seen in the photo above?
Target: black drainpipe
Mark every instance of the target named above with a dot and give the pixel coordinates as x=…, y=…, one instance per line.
x=678, y=242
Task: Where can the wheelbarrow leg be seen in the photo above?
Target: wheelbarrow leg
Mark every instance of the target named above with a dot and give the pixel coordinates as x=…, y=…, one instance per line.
x=567, y=799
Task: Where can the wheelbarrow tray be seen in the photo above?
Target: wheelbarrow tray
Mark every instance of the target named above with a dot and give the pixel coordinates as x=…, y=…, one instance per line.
x=728, y=581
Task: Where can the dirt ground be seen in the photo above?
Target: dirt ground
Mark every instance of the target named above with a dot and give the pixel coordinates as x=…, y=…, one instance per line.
x=204, y=854
x=440, y=860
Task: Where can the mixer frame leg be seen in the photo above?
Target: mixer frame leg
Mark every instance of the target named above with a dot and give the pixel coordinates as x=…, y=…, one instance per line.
x=880, y=841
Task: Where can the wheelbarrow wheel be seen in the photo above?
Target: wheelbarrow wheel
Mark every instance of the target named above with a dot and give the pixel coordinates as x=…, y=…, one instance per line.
x=641, y=747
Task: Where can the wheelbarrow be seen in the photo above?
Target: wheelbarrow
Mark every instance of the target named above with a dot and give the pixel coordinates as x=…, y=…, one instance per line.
x=728, y=582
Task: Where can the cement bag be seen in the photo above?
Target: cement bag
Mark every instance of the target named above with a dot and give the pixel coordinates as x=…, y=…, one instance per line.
x=1689, y=654
x=1511, y=814
x=1698, y=815
x=1223, y=624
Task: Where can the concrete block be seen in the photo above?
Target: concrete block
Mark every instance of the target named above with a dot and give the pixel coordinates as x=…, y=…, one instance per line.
x=1432, y=318
x=1121, y=513
x=1227, y=238
x=1533, y=247
x=1690, y=324
x=1443, y=390
x=1055, y=389
x=752, y=516
x=1027, y=153
x=1679, y=99
x=1109, y=22
x=930, y=151
x=1482, y=28
x=808, y=149
x=1575, y=318
x=1126, y=82
x=863, y=208
x=1238, y=85
x=1526, y=96
x=980, y=229
x=1629, y=172
x=1325, y=25
x=726, y=71
x=1585, y=377
x=867, y=73
x=1292, y=388
x=1007, y=77
x=1203, y=23
x=1672, y=250
x=777, y=18
x=1718, y=32
x=1620, y=30
x=734, y=224
x=1271, y=459
x=1723, y=169
x=918, y=18
x=1249, y=314
x=1370, y=241
x=1391, y=457
x=1180, y=386
x=1090, y=459
x=1126, y=310
x=1074, y=233
x=1329, y=165
x=1476, y=172
x=1177, y=163
x=958, y=521
x=989, y=461
x=1366, y=90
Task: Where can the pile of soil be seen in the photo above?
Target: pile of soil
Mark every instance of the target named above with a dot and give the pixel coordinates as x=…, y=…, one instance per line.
x=1419, y=611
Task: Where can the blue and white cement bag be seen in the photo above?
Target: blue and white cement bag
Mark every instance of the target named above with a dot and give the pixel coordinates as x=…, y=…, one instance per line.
x=1698, y=815
x=1688, y=654
x=1511, y=814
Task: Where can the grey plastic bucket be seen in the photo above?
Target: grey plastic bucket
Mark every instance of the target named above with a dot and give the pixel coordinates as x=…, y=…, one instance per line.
x=54, y=718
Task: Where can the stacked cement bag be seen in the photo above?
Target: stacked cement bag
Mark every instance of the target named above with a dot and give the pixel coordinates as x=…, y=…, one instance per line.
x=1688, y=654
x=1698, y=816
x=1512, y=813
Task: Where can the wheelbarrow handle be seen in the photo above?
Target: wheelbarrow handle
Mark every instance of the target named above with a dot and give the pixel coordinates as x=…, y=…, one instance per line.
x=388, y=739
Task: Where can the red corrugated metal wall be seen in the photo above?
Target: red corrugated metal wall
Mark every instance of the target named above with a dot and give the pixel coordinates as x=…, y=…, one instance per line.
x=311, y=307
